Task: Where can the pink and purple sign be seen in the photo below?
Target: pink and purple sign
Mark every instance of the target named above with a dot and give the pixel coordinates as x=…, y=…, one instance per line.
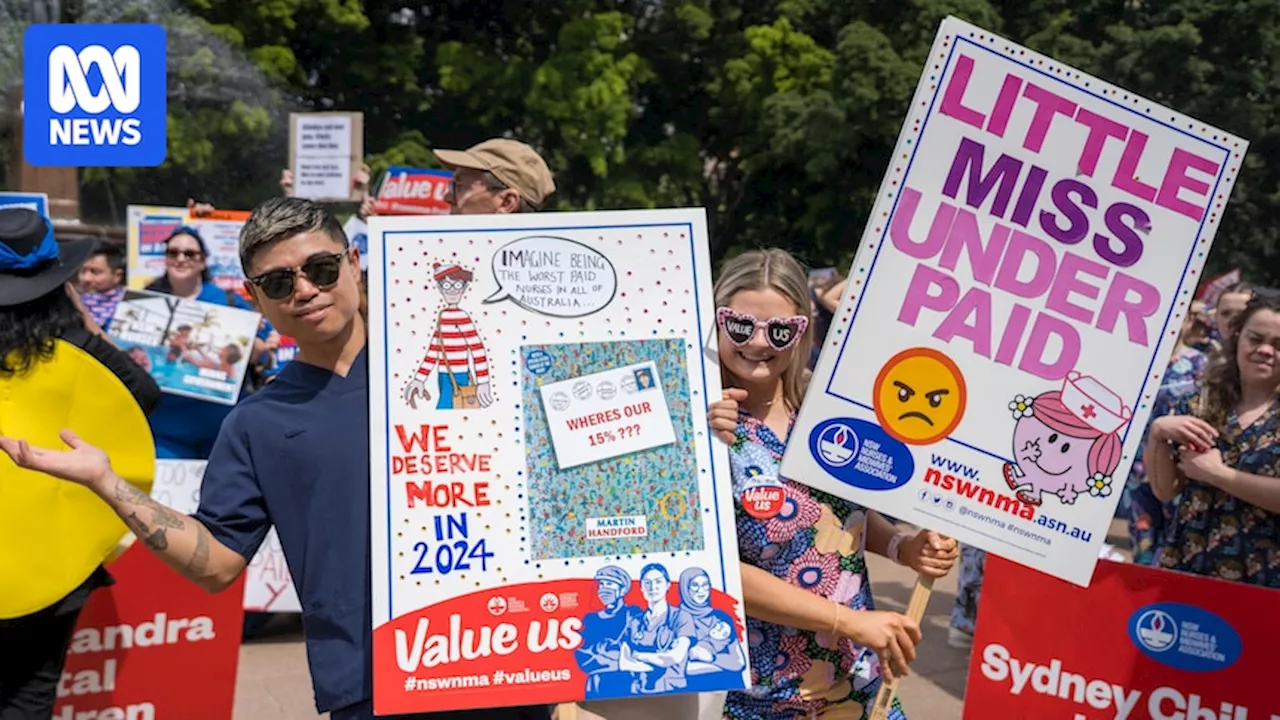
x=1013, y=305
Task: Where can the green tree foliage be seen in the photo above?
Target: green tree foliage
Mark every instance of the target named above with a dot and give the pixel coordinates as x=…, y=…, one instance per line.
x=778, y=116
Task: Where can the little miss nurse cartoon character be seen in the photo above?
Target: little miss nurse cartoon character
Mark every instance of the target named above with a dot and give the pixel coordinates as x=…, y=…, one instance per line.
x=456, y=350
x=1066, y=441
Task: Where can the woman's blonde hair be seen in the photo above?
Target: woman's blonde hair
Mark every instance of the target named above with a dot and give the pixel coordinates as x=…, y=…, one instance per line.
x=776, y=270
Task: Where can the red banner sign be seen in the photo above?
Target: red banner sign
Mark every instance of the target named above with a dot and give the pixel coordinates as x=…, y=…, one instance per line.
x=413, y=191
x=514, y=645
x=1137, y=644
x=153, y=646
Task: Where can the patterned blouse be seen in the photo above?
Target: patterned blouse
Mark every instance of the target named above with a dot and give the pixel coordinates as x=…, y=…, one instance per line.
x=815, y=542
x=1150, y=519
x=1218, y=534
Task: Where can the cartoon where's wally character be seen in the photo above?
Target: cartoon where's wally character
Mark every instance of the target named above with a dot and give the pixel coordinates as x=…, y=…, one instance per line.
x=1065, y=443
x=456, y=350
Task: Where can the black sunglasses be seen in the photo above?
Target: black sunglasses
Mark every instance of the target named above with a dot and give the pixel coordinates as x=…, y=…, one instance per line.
x=321, y=270
x=184, y=254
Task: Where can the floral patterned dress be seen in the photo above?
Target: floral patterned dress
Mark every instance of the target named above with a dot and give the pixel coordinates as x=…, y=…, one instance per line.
x=814, y=541
x=1149, y=519
x=1218, y=534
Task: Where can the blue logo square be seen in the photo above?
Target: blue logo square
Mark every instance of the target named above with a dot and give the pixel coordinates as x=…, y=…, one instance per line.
x=94, y=95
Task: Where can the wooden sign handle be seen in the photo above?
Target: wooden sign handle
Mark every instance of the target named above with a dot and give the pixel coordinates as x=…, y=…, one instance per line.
x=915, y=610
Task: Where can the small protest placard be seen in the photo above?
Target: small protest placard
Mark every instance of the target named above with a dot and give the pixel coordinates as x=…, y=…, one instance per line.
x=607, y=414
x=191, y=348
x=324, y=151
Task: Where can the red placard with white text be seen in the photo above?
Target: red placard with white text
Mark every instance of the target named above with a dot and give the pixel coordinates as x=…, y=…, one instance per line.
x=153, y=647
x=1137, y=644
x=413, y=191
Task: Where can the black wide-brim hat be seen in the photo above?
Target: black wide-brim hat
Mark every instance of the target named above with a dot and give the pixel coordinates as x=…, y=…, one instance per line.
x=32, y=262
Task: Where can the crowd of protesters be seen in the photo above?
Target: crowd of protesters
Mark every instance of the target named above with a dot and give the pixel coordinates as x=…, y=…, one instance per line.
x=1194, y=501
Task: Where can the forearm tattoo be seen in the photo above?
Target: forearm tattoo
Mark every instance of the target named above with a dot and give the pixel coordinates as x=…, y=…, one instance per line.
x=163, y=519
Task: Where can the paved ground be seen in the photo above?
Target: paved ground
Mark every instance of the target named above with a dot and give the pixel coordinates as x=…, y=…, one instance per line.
x=274, y=684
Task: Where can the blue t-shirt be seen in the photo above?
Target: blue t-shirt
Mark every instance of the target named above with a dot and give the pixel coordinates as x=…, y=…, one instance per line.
x=296, y=454
x=183, y=427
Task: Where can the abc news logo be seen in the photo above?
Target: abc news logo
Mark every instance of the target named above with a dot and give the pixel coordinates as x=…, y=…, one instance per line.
x=95, y=95
x=69, y=89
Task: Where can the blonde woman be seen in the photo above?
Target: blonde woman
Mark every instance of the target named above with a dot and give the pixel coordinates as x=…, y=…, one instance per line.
x=818, y=647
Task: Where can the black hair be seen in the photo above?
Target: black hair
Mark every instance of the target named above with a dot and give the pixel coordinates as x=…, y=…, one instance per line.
x=28, y=330
x=112, y=252
x=281, y=218
x=162, y=284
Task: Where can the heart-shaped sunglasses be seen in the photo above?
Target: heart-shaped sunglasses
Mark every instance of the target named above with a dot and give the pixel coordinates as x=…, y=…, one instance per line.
x=781, y=332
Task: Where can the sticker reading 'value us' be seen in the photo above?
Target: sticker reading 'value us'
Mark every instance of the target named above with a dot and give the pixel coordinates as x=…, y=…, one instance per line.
x=607, y=414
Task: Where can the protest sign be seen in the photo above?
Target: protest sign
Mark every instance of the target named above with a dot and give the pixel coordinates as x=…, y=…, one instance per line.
x=268, y=585
x=357, y=232
x=1156, y=645
x=148, y=227
x=413, y=191
x=541, y=469
x=325, y=150
x=220, y=230
x=154, y=645
x=32, y=201
x=1014, y=303
x=191, y=348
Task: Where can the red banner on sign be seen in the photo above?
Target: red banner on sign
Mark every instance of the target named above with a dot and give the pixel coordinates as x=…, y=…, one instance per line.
x=513, y=645
x=413, y=191
x=1137, y=644
x=153, y=646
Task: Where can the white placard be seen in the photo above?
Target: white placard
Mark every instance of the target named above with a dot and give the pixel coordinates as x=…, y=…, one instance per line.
x=322, y=156
x=268, y=584
x=491, y=513
x=607, y=414
x=1014, y=304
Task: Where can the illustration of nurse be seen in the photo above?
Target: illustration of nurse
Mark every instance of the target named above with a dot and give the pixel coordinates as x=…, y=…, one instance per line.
x=716, y=647
x=657, y=643
x=602, y=634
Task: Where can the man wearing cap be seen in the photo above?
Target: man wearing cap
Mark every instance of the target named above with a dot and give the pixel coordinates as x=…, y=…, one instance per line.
x=496, y=177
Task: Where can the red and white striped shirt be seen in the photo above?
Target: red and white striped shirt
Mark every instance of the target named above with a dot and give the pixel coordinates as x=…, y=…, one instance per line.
x=456, y=339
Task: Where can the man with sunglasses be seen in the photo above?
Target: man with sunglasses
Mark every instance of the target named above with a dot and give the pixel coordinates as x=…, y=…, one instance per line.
x=496, y=177
x=295, y=454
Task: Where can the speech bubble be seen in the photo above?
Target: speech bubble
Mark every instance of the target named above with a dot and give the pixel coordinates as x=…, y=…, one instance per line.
x=553, y=276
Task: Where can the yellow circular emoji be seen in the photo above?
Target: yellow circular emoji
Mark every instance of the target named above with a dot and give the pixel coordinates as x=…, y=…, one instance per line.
x=920, y=396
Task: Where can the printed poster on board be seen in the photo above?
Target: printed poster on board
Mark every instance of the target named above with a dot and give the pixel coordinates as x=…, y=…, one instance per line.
x=543, y=479
x=1013, y=304
x=191, y=348
x=268, y=586
x=1137, y=644
x=148, y=227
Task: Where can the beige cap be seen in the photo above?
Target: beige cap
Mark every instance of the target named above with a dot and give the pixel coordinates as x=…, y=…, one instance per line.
x=517, y=165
